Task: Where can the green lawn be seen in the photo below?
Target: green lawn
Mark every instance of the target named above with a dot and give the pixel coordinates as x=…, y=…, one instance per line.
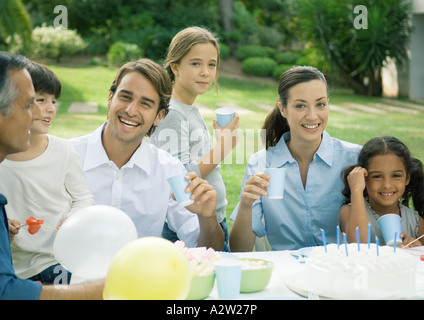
x=92, y=84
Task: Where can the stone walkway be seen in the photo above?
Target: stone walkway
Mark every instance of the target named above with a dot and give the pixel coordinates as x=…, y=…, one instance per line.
x=348, y=108
x=83, y=107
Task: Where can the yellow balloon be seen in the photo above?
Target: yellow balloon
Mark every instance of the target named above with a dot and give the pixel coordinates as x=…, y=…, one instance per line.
x=148, y=269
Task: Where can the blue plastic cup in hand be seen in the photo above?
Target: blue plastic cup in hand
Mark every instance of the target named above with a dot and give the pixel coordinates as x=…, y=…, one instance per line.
x=228, y=278
x=224, y=116
x=277, y=180
x=389, y=225
x=178, y=184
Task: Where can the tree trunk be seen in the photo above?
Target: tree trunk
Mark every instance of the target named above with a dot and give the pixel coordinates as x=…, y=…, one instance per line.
x=355, y=83
x=375, y=87
x=227, y=10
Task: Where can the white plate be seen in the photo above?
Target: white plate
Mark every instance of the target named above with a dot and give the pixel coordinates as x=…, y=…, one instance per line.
x=296, y=283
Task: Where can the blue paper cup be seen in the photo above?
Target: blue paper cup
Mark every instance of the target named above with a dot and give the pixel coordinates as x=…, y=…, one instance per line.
x=224, y=116
x=178, y=183
x=389, y=225
x=228, y=278
x=277, y=180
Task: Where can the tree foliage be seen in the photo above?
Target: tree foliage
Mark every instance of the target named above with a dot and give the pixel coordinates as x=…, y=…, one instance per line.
x=275, y=15
x=14, y=20
x=356, y=54
x=150, y=24
x=324, y=28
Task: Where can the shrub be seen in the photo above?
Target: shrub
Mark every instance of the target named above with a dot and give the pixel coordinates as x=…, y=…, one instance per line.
x=312, y=57
x=121, y=52
x=53, y=43
x=278, y=70
x=224, y=51
x=269, y=36
x=271, y=52
x=287, y=57
x=258, y=66
x=251, y=50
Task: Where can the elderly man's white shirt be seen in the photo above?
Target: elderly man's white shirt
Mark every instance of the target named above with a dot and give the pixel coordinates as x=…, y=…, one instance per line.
x=140, y=188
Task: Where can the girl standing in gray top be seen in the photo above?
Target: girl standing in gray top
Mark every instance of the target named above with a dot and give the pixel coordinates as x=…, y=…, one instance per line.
x=192, y=63
x=384, y=181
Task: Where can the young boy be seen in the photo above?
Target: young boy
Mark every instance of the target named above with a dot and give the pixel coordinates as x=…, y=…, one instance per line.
x=46, y=182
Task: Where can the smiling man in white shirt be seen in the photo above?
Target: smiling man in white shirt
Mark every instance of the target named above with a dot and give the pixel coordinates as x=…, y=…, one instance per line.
x=125, y=171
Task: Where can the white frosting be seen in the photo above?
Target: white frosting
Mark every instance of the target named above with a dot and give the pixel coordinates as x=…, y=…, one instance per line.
x=361, y=274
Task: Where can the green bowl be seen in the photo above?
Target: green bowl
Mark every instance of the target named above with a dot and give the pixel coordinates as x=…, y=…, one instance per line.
x=201, y=287
x=256, y=278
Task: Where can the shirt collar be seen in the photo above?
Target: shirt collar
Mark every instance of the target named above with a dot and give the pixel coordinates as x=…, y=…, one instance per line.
x=141, y=157
x=325, y=150
x=281, y=155
x=96, y=154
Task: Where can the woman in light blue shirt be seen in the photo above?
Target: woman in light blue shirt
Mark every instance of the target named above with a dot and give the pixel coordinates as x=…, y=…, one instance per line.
x=296, y=140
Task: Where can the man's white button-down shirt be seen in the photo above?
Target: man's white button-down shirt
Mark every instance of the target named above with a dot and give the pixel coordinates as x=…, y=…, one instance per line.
x=140, y=188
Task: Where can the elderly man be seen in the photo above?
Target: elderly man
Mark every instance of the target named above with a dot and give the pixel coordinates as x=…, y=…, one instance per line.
x=16, y=115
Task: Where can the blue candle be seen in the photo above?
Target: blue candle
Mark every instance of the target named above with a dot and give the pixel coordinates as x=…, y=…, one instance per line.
x=369, y=235
x=345, y=242
x=324, y=239
x=395, y=243
x=357, y=238
x=338, y=236
x=377, y=242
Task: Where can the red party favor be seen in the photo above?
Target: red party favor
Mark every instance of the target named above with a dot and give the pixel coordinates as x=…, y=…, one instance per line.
x=33, y=225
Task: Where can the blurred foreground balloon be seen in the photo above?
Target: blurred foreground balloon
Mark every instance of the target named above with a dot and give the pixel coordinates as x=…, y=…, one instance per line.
x=148, y=268
x=88, y=240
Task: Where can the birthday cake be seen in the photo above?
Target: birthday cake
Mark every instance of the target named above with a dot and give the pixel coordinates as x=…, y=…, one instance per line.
x=364, y=273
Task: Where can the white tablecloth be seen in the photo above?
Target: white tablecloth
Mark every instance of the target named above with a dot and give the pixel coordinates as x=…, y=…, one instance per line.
x=286, y=267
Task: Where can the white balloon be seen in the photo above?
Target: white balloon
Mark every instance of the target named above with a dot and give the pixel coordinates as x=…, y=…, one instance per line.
x=87, y=241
